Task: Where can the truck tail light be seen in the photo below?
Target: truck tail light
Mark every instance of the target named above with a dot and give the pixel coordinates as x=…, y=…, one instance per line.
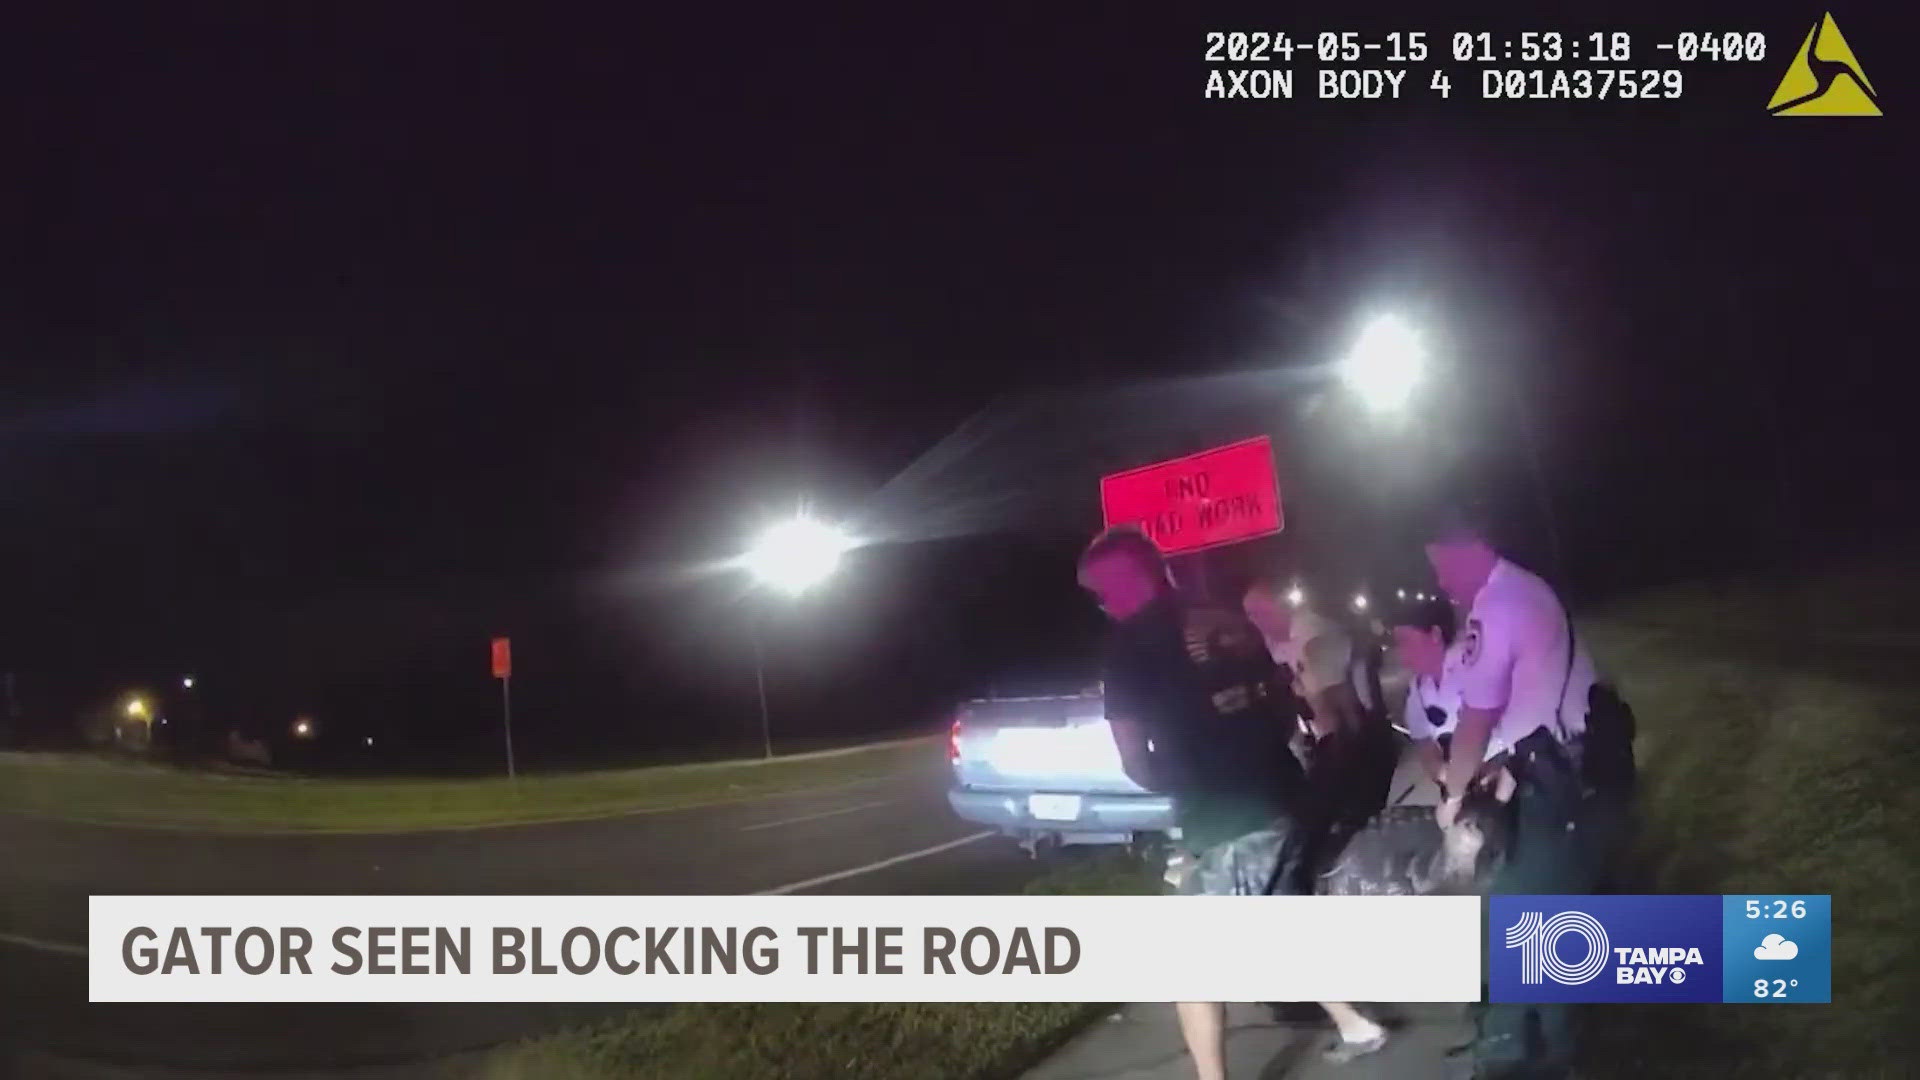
x=953, y=742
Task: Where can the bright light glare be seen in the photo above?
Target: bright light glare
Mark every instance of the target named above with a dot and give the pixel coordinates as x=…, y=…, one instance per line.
x=1400, y=594
x=796, y=555
x=1079, y=749
x=1385, y=363
x=187, y=682
x=1296, y=596
x=1360, y=602
x=303, y=727
x=137, y=708
x=369, y=740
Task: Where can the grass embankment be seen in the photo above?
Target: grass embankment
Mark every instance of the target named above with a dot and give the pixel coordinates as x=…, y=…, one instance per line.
x=1780, y=744
x=132, y=793
x=813, y=1042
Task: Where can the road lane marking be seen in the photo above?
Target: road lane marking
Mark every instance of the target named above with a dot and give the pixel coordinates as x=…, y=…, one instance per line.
x=814, y=817
x=44, y=946
x=841, y=875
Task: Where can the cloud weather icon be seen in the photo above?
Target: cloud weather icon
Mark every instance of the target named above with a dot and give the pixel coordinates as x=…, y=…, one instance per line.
x=1775, y=947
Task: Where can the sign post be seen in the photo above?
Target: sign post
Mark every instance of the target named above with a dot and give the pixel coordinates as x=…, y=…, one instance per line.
x=503, y=670
x=1192, y=504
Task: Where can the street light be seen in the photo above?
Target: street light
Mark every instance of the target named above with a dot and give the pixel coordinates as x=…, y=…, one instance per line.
x=186, y=682
x=1296, y=596
x=1385, y=363
x=794, y=556
x=137, y=708
x=1360, y=601
x=790, y=557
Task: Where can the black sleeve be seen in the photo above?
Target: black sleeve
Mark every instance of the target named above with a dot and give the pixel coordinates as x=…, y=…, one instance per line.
x=1142, y=679
x=1120, y=685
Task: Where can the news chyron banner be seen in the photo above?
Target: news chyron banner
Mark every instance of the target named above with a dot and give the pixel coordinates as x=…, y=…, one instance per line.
x=1725, y=949
x=783, y=948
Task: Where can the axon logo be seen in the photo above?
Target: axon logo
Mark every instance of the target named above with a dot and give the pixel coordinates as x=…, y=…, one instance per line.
x=1538, y=939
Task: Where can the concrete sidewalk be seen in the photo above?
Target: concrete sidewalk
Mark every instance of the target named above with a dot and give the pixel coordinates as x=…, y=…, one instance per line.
x=1142, y=1042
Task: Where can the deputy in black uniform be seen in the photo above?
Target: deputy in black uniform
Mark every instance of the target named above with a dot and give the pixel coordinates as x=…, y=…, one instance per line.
x=1197, y=712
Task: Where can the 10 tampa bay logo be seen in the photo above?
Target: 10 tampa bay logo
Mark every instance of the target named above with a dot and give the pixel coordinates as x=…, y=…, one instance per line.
x=1612, y=948
x=1538, y=939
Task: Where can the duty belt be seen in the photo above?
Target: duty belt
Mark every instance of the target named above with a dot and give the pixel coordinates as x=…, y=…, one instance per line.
x=1541, y=760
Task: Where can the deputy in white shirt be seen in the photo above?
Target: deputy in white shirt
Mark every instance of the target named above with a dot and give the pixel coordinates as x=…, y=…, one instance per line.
x=1524, y=683
x=1516, y=678
x=1427, y=648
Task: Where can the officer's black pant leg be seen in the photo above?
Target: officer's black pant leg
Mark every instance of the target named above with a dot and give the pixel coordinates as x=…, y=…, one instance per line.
x=1534, y=1040
x=1607, y=823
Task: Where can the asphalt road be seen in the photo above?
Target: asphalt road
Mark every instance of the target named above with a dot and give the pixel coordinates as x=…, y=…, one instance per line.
x=890, y=835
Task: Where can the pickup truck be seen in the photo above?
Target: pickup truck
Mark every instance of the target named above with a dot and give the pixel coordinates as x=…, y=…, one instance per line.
x=1045, y=771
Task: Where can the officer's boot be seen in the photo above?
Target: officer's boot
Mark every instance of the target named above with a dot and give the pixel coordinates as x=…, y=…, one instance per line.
x=1550, y=1042
x=1501, y=1043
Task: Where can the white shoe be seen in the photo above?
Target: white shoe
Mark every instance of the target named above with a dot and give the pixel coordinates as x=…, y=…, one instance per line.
x=1344, y=1051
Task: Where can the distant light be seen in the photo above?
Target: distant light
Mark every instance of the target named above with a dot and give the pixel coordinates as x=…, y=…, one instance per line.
x=796, y=555
x=1296, y=597
x=137, y=708
x=1385, y=363
x=187, y=682
x=1400, y=594
x=303, y=728
x=369, y=740
x=1360, y=602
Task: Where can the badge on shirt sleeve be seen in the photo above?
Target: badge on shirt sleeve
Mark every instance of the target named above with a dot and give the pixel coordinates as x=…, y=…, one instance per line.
x=1470, y=644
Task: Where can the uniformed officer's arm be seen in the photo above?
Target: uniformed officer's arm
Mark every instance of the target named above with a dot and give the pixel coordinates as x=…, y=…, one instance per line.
x=1125, y=712
x=1486, y=680
x=1130, y=738
x=1470, y=738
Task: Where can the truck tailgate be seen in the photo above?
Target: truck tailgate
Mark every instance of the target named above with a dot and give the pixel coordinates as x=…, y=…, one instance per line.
x=1039, y=744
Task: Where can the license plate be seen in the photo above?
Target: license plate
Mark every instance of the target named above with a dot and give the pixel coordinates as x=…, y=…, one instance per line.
x=1054, y=807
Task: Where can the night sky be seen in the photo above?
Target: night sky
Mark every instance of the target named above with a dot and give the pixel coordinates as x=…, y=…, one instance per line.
x=340, y=342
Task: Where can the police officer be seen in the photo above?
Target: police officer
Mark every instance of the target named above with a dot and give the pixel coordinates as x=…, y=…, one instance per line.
x=1525, y=681
x=1428, y=649
x=1192, y=704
